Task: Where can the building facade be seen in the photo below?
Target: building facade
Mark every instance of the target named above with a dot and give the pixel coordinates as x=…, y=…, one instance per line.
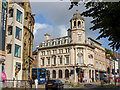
x=3, y=30
x=14, y=54
x=35, y=61
x=62, y=56
x=27, y=38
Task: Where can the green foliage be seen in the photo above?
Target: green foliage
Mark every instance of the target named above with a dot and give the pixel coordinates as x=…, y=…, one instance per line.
x=106, y=18
x=108, y=51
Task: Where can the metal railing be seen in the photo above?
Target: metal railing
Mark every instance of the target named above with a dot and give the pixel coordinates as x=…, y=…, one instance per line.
x=14, y=84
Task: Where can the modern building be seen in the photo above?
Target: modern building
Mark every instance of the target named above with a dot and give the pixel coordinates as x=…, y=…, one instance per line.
x=35, y=61
x=64, y=55
x=27, y=38
x=14, y=54
x=3, y=30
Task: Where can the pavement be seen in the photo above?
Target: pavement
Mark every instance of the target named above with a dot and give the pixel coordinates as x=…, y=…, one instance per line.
x=89, y=86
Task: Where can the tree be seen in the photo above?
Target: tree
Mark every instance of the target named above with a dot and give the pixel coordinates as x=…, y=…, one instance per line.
x=108, y=51
x=106, y=18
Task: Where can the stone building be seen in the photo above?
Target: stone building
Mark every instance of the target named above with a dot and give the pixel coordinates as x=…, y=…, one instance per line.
x=28, y=29
x=35, y=61
x=14, y=54
x=61, y=56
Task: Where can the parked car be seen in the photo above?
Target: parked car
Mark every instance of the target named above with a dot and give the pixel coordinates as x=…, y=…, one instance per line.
x=106, y=80
x=54, y=84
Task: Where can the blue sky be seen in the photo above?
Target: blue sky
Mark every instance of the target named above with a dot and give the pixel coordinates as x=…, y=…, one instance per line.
x=54, y=18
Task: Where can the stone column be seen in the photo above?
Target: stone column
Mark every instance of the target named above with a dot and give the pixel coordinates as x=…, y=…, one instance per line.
x=56, y=73
x=76, y=76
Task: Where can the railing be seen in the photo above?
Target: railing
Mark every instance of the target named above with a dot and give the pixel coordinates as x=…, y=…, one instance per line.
x=14, y=84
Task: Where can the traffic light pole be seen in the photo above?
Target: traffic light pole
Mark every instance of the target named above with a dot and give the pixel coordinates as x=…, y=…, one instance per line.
x=114, y=68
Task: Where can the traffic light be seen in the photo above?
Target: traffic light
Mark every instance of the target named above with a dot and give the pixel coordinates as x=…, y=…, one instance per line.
x=108, y=70
x=113, y=71
x=78, y=70
x=117, y=70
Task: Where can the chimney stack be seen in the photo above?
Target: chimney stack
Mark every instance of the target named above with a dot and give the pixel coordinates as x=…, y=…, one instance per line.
x=47, y=36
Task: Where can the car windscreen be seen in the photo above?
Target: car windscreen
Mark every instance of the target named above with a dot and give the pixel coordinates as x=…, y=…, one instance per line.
x=42, y=72
x=51, y=81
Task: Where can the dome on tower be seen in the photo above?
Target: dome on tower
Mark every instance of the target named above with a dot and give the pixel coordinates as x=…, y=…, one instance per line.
x=77, y=16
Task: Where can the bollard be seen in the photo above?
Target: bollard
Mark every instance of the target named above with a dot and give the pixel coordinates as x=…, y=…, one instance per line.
x=102, y=83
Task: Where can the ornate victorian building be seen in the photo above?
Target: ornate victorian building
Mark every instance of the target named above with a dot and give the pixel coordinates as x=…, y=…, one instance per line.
x=62, y=56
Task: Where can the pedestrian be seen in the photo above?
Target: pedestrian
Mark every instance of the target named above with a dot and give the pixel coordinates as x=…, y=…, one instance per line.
x=31, y=82
x=36, y=83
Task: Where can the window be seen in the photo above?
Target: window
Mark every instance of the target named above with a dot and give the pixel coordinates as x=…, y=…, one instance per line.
x=11, y=12
x=9, y=30
x=78, y=23
x=54, y=60
x=79, y=59
x=79, y=38
x=48, y=61
x=66, y=73
x=43, y=53
x=67, y=60
x=60, y=73
x=17, y=50
x=79, y=51
x=89, y=73
x=33, y=65
x=54, y=74
x=60, y=60
x=19, y=16
x=74, y=23
x=18, y=33
x=60, y=50
x=9, y=46
x=42, y=61
x=67, y=50
x=35, y=57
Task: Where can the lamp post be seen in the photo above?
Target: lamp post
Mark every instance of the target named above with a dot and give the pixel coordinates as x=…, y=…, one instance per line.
x=114, y=68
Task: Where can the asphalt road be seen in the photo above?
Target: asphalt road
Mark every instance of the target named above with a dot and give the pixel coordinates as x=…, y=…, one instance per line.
x=69, y=89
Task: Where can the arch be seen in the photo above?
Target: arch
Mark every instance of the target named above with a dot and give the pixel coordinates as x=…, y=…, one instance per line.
x=79, y=24
x=66, y=73
x=53, y=74
x=60, y=73
x=74, y=23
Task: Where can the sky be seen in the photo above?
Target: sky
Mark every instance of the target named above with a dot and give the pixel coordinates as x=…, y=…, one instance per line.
x=54, y=18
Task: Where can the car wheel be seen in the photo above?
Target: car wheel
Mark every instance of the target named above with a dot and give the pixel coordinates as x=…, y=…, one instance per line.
x=46, y=88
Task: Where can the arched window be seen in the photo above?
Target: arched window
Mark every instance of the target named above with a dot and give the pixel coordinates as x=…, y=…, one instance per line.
x=78, y=23
x=74, y=23
x=66, y=73
x=54, y=74
x=60, y=73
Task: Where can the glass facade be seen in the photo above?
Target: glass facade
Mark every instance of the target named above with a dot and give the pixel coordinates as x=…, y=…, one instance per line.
x=18, y=33
x=17, y=51
x=19, y=16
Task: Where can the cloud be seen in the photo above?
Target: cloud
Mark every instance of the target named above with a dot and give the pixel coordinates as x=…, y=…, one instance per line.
x=41, y=29
x=54, y=18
